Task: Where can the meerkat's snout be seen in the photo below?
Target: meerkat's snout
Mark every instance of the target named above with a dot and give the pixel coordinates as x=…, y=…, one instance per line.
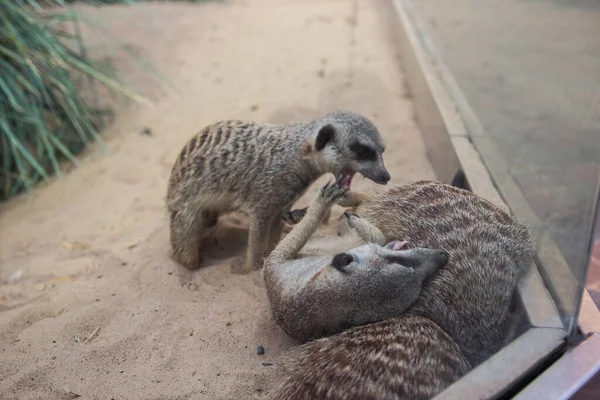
x=383, y=178
x=377, y=173
x=441, y=257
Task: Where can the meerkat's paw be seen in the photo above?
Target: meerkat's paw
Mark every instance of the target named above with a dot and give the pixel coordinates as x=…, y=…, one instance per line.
x=189, y=259
x=330, y=193
x=351, y=218
x=287, y=228
x=240, y=265
x=292, y=217
x=343, y=199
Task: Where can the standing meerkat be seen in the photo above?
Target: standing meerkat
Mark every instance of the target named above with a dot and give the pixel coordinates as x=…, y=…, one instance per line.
x=262, y=170
x=459, y=320
x=314, y=295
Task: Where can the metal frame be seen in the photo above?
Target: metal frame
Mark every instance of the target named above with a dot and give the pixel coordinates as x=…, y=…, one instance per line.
x=567, y=375
x=450, y=129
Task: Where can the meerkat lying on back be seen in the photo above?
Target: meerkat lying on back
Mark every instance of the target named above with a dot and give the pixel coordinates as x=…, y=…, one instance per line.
x=313, y=295
x=262, y=170
x=459, y=320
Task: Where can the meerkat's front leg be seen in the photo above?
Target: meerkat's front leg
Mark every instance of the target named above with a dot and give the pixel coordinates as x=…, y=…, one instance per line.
x=366, y=230
x=187, y=226
x=289, y=247
x=258, y=235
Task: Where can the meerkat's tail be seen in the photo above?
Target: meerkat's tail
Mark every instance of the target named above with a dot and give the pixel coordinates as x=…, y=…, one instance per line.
x=460, y=181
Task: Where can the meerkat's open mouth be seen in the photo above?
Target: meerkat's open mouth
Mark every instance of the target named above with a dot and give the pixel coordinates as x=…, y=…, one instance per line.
x=345, y=177
x=399, y=245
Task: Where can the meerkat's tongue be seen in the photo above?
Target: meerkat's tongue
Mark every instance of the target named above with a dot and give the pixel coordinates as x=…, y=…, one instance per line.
x=350, y=174
x=399, y=245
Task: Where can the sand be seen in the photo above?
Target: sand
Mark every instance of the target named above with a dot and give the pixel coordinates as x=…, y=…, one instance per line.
x=90, y=250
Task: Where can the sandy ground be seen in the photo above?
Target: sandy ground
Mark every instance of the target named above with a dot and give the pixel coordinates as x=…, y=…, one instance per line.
x=91, y=250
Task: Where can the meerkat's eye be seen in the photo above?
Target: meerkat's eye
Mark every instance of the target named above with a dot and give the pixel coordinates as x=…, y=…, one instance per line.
x=362, y=152
x=342, y=260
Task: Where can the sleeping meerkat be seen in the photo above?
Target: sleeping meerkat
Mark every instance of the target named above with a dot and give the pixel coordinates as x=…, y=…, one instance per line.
x=262, y=170
x=460, y=318
x=313, y=295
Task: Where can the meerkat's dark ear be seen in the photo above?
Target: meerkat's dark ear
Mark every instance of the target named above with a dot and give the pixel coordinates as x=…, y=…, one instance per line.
x=324, y=136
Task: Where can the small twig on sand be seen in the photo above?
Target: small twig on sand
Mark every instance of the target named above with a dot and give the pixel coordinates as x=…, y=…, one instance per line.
x=91, y=336
x=132, y=245
x=75, y=245
x=56, y=280
x=71, y=393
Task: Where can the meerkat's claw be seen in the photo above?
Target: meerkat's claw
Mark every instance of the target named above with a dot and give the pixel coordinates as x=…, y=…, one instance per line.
x=343, y=180
x=327, y=185
x=349, y=215
x=331, y=193
x=294, y=216
x=351, y=219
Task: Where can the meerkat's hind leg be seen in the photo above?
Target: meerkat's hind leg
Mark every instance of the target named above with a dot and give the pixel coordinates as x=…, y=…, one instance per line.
x=275, y=231
x=210, y=218
x=258, y=235
x=186, y=229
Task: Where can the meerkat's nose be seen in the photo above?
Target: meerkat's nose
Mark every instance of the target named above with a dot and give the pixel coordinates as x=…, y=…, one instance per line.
x=349, y=215
x=384, y=177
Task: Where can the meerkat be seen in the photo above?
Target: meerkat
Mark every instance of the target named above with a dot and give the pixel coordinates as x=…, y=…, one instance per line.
x=313, y=295
x=262, y=169
x=460, y=318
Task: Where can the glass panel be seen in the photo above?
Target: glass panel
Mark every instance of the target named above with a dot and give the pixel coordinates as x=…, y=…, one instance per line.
x=530, y=73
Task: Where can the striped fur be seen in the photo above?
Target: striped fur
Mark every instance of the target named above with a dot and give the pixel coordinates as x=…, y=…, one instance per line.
x=458, y=321
x=346, y=281
x=262, y=170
